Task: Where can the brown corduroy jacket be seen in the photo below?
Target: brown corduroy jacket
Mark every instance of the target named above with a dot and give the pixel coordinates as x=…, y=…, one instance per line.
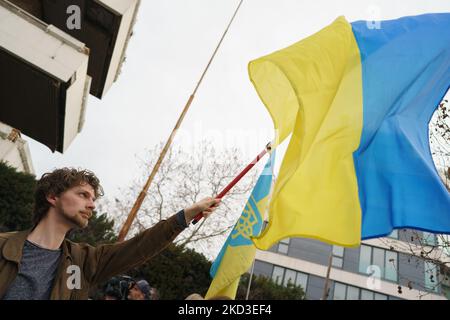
x=96, y=264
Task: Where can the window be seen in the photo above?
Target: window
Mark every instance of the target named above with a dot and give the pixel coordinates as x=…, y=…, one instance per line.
x=379, y=296
x=337, y=262
x=366, y=295
x=386, y=262
x=339, y=291
x=431, y=281
x=338, y=257
x=277, y=274
x=365, y=258
x=378, y=259
x=390, y=266
x=347, y=292
x=283, y=246
x=446, y=291
x=352, y=293
x=393, y=234
x=289, y=277
x=338, y=251
x=283, y=276
x=302, y=280
x=429, y=239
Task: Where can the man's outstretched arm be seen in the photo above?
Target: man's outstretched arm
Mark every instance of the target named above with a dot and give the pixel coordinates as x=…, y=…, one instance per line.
x=106, y=261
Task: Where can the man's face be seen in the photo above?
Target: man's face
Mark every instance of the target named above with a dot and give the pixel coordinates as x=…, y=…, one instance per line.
x=76, y=205
x=135, y=293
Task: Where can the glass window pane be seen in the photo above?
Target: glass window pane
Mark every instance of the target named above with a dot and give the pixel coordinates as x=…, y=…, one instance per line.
x=337, y=262
x=366, y=295
x=302, y=280
x=283, y=248
x=430, y=276
x=379, y=296
x=277, y=274
x=378, y=259
x=339, y=291
x=352, y=293
x=289, y=276
x=364, y=258
x=429, y=239
x=338, y=251
x=394, y=234
x=391, y=266
x=446, y=291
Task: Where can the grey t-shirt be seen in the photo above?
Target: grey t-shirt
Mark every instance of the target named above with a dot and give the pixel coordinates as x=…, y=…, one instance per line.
x=37, y=272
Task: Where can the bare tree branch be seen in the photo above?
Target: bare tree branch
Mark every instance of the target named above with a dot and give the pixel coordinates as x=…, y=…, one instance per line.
x=184, y=179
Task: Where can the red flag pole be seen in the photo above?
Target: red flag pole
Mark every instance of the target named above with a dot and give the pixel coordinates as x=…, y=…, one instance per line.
x=236, y=180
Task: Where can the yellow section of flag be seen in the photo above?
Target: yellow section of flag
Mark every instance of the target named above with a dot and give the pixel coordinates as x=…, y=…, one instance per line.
x=313, y=89
x=235, y=262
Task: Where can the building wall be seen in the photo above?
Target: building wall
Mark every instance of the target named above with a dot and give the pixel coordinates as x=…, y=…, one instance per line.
x=410, y=269
x=15, y=153
x=309, y=250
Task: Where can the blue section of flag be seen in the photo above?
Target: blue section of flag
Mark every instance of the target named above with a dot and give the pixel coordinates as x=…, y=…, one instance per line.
x=406, y=73
x=251, y=220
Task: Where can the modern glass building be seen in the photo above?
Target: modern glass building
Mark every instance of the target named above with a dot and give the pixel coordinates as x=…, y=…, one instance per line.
x=390, y=268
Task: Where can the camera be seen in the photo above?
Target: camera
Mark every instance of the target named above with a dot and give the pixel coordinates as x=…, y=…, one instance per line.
x=117, y=288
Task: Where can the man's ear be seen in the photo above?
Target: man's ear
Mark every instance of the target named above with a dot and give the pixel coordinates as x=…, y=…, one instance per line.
x=52, y=198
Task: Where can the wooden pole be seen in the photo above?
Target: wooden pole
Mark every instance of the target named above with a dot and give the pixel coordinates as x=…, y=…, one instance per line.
x=137, y=205
x=327, y=279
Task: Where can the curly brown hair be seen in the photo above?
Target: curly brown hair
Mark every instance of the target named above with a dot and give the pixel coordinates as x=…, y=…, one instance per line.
x=58, y=181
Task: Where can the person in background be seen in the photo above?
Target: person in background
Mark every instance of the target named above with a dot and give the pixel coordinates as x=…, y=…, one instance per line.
x=140, y=290
x=154, y=294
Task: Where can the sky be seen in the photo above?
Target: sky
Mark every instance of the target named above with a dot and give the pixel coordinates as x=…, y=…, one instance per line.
x=171, y=45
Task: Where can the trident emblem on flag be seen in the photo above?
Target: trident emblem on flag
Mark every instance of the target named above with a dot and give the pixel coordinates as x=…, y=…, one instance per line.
x=244, y=228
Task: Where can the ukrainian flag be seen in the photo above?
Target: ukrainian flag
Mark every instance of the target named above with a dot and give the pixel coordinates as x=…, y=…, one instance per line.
x=238, y=252
x=357, y=99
